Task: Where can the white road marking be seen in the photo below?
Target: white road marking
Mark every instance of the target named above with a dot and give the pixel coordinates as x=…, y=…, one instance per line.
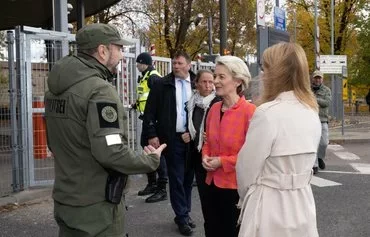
x=344, y=155
x=320, y=182
x=339, y=172
x=335, y=147
x=362, y=168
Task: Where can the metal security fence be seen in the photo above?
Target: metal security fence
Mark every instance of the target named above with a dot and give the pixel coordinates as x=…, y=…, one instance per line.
x=24, y=157
x=6, y=124
x=12, y=125
x=39, y=50
x=127, y=83
x=163, y=65
x=25, y=160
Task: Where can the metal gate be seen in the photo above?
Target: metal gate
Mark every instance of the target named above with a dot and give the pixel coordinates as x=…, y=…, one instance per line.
x=126, y=84
x=38, y=160
x=37, y=51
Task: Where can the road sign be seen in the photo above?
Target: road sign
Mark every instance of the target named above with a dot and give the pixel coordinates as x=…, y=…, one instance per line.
x=332, y=64
x=261, y=12
x=279, y=19
x=345, y=90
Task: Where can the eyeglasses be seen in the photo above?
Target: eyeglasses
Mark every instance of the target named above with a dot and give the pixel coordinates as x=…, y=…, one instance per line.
x=119, y=47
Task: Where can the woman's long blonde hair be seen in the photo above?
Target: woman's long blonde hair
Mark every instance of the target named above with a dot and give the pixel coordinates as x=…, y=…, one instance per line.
x=285, y=68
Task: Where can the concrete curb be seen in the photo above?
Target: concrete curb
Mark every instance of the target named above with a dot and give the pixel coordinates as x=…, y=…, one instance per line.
x=26, y=196
x=349, y=140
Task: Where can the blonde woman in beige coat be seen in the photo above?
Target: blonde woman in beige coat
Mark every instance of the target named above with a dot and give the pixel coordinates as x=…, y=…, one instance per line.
x=274, y=166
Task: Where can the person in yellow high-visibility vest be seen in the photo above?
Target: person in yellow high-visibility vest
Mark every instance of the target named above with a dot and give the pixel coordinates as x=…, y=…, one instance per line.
x=146, y=80
x=156, y=187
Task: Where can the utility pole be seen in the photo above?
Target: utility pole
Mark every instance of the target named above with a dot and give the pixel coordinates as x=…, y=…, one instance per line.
x=317, y=42
x=223, y=26
x=334, y=104
x=210, y=35
x=332, y=27
x=60, y=21
x=80, y=13
x=295, y=25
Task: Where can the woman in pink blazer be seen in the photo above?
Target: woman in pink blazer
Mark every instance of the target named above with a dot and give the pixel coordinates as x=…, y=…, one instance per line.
x=227, y=124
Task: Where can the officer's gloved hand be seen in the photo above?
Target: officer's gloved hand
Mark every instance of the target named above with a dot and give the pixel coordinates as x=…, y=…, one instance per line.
x=133, y=106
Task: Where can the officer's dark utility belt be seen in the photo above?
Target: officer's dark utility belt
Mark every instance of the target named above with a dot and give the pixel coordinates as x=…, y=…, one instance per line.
x=116, y=183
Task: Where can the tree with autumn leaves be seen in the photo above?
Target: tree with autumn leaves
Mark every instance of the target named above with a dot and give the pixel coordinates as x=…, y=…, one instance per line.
x=174, y=28
x=361, y=60
x=351, y=28
x=170, y=26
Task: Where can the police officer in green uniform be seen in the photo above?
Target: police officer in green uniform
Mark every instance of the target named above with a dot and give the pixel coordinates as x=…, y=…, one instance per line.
x=85, y=131
x=149, y=75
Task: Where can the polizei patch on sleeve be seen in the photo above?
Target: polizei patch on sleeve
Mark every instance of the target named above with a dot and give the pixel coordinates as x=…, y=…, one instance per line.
x=108, y=116
x=56, y=107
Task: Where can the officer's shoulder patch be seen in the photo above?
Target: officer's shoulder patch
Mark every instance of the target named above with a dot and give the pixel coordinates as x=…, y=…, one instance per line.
x=108, y=115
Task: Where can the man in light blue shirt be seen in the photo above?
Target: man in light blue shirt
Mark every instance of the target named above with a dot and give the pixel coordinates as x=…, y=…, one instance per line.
x=165, y=122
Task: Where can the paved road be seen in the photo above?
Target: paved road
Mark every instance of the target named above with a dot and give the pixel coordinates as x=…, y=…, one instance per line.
x=342, y=194
x=343, y=210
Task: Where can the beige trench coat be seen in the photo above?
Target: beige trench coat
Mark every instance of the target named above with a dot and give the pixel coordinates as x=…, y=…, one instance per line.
x=274, y=170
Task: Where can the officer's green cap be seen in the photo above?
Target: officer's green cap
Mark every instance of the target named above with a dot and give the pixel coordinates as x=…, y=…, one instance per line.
x=93, y=35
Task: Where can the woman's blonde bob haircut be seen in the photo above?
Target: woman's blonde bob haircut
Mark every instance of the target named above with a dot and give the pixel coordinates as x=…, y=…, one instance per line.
x=239, y=70
x=285, y=68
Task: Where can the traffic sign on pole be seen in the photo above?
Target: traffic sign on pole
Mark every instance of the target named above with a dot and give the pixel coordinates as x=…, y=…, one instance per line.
x=345, y=90
x=261, y=12
x=279, y=19
x=332, y=64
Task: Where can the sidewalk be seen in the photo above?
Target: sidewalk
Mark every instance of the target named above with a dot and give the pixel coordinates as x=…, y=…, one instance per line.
x=355, y=130
x=25, y=196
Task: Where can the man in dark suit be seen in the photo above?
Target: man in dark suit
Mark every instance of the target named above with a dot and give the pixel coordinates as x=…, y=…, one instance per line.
x=165, y=122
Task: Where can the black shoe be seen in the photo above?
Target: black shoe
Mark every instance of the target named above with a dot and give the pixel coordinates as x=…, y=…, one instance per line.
x=185, y=229
x=149, y=189
x=158, y=196
x=321, y=164
x=315, y=170
x=191, y=223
